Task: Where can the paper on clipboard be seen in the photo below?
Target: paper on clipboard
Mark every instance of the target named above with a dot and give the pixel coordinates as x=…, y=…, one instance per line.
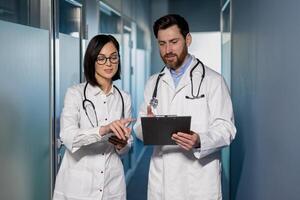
x=158, y=130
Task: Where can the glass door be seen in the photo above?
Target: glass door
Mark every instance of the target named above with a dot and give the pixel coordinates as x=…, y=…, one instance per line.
x=226, y=72
x=110, y=22
x=68, y=59
x=25, y=81
x=127, y=56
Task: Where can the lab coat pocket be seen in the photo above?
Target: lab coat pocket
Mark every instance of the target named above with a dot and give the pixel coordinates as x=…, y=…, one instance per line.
x=77, y=182
x=197, y=107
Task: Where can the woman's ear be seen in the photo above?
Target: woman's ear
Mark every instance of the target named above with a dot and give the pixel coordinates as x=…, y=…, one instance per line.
x=188, y=39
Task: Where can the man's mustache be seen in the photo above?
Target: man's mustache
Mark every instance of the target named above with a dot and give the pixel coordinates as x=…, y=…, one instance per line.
x=169, y=55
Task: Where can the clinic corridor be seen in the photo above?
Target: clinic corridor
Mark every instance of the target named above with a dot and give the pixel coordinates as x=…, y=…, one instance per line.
x=253, y=44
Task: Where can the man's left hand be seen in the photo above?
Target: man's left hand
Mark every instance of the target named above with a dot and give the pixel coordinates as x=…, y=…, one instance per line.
x=187, y=141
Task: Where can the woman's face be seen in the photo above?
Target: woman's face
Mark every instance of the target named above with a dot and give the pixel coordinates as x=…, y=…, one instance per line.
x=106, y=65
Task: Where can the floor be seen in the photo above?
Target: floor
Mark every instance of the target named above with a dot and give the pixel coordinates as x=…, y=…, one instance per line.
x=137, y=187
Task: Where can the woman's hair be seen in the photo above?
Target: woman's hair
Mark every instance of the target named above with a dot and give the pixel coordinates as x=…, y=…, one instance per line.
x=91, y=54
x=170, y=20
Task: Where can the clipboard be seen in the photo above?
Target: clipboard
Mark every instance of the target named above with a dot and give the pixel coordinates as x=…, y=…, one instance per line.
x=158, y=130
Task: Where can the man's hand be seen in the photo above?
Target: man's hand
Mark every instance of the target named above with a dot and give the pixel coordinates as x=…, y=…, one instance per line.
x=187, y=141
x=149, y=112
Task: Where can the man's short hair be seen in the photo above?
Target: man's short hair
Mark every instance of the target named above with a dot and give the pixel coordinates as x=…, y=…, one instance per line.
x=91, y=54
x=170, y=20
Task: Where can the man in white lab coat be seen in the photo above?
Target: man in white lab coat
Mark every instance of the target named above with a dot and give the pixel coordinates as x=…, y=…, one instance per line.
x=191, y=169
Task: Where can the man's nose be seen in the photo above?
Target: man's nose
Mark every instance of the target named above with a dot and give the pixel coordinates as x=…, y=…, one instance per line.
x=169, y=48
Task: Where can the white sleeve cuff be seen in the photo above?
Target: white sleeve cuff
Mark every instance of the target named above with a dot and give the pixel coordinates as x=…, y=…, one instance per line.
x=89, y=136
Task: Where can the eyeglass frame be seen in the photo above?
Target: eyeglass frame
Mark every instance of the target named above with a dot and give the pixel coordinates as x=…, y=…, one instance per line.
x=107, y=58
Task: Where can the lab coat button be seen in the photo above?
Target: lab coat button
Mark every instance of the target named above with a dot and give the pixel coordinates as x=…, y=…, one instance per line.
x=100, y=190
x=105, y=119
x=101, y=172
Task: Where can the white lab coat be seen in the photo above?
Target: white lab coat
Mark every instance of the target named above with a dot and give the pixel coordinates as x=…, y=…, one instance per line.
x=91, y=168
x=177, y=174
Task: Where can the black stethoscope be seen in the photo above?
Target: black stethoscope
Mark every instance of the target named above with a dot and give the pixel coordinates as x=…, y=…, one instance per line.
x=154, y=100
x=86, y=102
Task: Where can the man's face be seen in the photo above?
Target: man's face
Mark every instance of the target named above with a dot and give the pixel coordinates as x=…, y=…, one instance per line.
x=173, y=46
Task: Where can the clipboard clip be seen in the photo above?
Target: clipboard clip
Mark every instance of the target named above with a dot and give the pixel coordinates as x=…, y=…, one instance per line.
x=165, y=115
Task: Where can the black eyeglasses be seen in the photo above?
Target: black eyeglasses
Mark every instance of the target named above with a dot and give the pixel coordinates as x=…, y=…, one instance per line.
x=101, y=60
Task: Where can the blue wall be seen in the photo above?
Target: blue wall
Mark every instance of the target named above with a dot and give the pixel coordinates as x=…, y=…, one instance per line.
x=202, y=15
x=265, y=83
x=25, y=112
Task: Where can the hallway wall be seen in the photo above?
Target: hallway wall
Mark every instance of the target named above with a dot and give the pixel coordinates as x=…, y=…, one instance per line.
x=265, y=161
x=25, y=112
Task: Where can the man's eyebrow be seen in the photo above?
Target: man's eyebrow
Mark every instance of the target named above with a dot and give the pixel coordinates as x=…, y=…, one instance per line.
x=174, y=39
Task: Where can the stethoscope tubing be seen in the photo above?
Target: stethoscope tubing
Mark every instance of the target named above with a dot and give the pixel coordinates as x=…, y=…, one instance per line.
x=154, y=100
x=93, y=106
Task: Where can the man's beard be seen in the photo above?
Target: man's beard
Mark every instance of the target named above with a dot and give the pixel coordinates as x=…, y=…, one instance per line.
x=178, y=59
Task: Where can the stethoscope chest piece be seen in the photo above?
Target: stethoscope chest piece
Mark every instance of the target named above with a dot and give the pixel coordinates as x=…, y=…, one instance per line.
x=154, y=102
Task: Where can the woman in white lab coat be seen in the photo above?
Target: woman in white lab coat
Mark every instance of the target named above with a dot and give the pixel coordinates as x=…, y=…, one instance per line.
x=94, y=129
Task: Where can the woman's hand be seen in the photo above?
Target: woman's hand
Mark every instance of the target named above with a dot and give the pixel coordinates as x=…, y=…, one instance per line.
x=119, y=144
x=119, y=128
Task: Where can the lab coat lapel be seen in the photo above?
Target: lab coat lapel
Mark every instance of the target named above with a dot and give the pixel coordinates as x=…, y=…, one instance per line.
x=184, y=81
x=167, y=79
x=92, y=93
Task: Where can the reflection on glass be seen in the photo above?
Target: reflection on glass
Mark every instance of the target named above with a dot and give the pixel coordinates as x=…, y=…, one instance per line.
x=68, y=55
x=111, y=23
x=126, y=64
x=226, y=72
x=27, y=12
x=140, y=41
x=226, y=38
x=25, y=112
x=69, y=17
